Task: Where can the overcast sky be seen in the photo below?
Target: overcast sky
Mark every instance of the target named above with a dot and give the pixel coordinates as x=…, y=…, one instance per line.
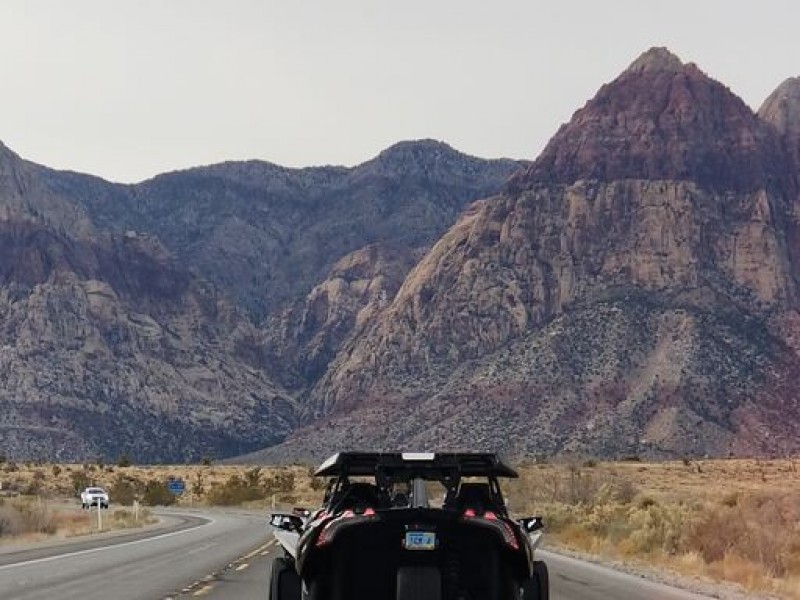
x=126, y=89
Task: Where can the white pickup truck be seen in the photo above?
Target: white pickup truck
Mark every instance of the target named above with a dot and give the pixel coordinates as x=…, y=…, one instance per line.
x=94, y=496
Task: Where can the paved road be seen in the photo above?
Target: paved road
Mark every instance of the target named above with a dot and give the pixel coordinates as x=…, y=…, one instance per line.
x=570, y=579
x=132, y=568
x=227, y=556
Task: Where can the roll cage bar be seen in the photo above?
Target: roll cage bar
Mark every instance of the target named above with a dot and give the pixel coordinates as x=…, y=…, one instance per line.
x=390, y=468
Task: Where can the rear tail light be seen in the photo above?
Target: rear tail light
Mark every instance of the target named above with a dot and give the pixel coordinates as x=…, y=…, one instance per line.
x=491, y=520
x=346, y=519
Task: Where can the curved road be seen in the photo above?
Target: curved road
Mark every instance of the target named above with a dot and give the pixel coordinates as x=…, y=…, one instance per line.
x=155, y=564
x=228, y=556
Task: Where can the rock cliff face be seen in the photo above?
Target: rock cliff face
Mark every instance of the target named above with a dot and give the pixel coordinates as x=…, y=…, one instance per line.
x=341, y=308
x=632, y=292
x=129, y=315
x=782, y=111
x=109, y=346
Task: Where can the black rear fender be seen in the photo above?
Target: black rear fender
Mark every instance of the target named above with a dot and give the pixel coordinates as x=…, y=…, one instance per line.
x=369, y=562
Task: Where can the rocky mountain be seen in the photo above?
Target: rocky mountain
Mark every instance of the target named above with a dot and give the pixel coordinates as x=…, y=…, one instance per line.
x=268, y=234
x=634, y=291
x=181, y=317
x=109, y=346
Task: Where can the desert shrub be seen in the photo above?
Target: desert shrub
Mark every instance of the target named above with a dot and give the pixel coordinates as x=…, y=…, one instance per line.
x=761, y=530
x=625, y=490
x=156, y=493
x=124, y=489
x=56, y=470
x=235, y=491
x=26, y=517
x=645, y=502
x=33, y=488
x=580, y=487
x=281, y=482
x=123, y=461
x=10, y=520
x=123, y=518
x=656, y=528
x=252, y=477
x=715, y=533
x=315, y=483
x=80, y=481
x=38, y=517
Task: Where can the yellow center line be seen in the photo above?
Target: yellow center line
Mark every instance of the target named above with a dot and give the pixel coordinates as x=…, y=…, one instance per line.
x=257, y=550
x=204, y=590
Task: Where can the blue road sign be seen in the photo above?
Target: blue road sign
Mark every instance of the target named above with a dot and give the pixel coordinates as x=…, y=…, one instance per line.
x=176, y=486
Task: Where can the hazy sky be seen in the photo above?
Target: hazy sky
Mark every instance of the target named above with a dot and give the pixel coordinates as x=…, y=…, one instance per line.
x=126, y=89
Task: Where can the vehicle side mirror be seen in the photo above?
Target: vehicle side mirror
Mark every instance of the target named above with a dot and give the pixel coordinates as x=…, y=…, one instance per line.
x=286, y=522
x=531, y=524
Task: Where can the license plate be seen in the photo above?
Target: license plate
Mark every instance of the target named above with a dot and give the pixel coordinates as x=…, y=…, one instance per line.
x=420, y=540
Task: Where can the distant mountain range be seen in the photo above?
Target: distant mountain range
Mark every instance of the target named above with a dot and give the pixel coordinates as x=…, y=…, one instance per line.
x=632, y=291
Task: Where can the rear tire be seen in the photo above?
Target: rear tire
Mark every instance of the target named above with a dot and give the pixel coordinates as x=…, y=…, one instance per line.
x=284, y=582
x=538, y=586
x=419, y=583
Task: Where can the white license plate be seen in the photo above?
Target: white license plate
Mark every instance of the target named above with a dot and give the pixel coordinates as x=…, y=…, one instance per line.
x=420, y=540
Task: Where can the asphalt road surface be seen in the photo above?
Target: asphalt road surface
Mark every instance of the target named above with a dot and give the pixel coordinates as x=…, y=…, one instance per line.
x=570, y=579
x=156, y=565
x=227, y=556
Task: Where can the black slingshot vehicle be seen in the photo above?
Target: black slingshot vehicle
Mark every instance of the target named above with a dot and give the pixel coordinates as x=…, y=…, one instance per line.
x=409, y=526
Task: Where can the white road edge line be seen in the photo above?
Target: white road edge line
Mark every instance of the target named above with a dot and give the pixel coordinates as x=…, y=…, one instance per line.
x=38, y=561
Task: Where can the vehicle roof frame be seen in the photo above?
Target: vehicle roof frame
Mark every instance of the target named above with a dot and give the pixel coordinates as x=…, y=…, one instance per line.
x=429, y=466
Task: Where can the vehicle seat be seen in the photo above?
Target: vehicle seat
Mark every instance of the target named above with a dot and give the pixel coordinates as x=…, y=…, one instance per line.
x=400, y=500
x=360, y=496
x=477, y=496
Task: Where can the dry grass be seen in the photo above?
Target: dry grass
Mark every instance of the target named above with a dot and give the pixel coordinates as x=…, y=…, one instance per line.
x=732, y=520
x=31, y=518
